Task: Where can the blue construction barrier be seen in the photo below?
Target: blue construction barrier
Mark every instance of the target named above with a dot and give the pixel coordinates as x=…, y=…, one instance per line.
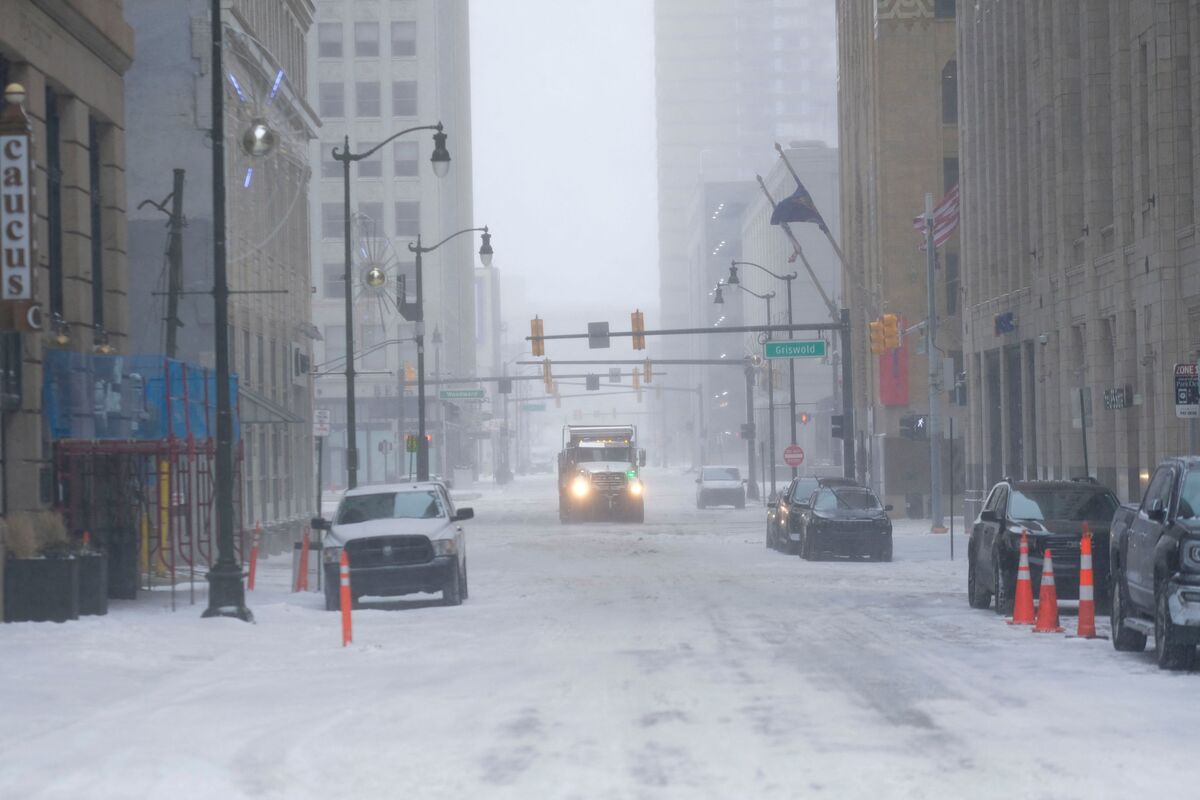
x=147, y=397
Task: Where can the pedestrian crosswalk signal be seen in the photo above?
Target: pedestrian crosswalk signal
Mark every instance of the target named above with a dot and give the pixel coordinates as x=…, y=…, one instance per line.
x=891, y=331
x=804, y=418
x=876, y=328
x=638, y=326
x=537, y=329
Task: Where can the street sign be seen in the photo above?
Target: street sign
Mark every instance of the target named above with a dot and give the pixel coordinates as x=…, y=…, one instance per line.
x=793, y=455
x=1187, y=391
x=533, y=406
x=322, y=422
x=814, y=348
x=410, y=443
x=461, y=394
x=597, y=335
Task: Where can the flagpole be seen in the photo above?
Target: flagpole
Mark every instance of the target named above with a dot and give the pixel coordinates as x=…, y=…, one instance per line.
x=824, y=228
x=833, y=310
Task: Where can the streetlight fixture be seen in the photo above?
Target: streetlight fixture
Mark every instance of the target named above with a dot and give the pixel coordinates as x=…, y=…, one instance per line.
x=791, y=276
x=440, y=160
x=770, y=370
x=485, y=255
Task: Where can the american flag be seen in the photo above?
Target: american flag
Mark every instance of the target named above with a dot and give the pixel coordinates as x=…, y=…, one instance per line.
x=945, y=219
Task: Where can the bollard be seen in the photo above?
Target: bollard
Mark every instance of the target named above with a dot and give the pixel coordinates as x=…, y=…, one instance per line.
x=254, y=556
x=344, y=577
x=302, y=577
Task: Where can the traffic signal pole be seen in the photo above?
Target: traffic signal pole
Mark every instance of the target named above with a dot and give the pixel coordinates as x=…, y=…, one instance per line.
x=935, y=398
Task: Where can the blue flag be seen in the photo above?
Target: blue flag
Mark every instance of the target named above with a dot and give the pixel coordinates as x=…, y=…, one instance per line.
x=799, y=207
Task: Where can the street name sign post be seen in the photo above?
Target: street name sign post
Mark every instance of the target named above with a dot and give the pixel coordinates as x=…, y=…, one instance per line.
x=322, y=422
x=814, y=348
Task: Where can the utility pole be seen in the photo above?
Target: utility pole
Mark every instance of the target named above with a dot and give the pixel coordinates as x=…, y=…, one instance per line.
x=751, y=456
x=175, y=264
x=935, y=399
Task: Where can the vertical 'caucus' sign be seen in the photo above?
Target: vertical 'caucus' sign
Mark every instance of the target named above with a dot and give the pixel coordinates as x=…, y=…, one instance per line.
x=16, y=234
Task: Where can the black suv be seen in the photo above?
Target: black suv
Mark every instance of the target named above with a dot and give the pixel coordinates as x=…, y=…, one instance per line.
x=783, y=515
x=1053, y=512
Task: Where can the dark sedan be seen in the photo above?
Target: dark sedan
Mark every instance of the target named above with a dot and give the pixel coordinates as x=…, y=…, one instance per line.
x=1053, y=512
x=846, y=520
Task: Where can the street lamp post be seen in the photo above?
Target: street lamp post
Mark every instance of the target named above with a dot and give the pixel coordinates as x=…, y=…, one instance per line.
x=441, y=165
x=719, y=299
x=485, y=255
x=733, y=278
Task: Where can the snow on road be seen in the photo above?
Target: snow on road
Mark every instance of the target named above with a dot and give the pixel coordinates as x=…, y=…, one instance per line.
x=675, y=659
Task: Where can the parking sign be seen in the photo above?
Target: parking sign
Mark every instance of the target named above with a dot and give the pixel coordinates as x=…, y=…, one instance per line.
x=1187, y=391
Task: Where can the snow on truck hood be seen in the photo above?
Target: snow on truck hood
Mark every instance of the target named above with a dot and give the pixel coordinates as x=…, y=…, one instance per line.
x=436, y=528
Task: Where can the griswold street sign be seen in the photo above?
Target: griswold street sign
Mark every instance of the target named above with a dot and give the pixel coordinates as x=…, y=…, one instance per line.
x=461, y=394
x=814, y=348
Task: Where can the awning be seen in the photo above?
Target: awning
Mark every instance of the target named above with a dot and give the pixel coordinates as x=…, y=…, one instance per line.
x=258, y=410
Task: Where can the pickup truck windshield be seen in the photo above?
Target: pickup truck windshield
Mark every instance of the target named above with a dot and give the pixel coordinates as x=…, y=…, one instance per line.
x=1189, y=496
x=603, y=454
x=1062, y=504
x=389, y=505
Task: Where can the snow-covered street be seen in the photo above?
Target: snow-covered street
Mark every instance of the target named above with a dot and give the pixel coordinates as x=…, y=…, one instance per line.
x=679, y=659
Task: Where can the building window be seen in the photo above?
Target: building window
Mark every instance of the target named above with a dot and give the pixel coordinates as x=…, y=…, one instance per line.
x=366, y=98
x=404, y=39
x=370, y=167
x=949, y=174
x=408, y=218
x=334, y=280
x=950, y=93
x=54, y=201
x=333, y=221
x=97, y=209
x=329, y=40
x=404, y=99
x=330, y=166
x=331, y=102
x=373, y=212
x=943, y=9
x=366, y=40
x=405, y=158
x=335, y=342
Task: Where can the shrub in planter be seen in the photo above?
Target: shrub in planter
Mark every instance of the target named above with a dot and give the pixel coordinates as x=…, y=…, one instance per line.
x=41, y=575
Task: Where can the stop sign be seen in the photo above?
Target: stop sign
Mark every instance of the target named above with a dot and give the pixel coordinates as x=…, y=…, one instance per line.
x=793, y=455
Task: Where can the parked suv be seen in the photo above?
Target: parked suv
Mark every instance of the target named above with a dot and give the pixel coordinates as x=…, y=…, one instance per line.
x=720, y=485
x=783, y=515
x=1053, y=513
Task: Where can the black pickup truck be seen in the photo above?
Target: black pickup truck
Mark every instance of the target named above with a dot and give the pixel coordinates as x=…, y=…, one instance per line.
x=1154, y=553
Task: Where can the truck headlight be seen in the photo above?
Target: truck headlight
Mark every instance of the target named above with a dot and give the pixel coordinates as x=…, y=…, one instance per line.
x=636, y=488
x=445, y=547
x=331, y=554
x=580, y=486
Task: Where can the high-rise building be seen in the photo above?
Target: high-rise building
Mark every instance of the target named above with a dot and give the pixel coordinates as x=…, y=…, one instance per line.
x=898, y=112
x=1081, y=198
x=379, y=68
x=733, y=78
x=267, y=225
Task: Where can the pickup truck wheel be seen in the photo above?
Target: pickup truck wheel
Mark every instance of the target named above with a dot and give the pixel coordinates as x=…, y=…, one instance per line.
x=977, y=597
x=1124, y=639
x=1005, y=585
x=452, y=591
x=1168, y=651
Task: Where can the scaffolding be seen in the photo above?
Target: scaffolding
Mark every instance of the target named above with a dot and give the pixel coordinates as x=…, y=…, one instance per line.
x=134, y=464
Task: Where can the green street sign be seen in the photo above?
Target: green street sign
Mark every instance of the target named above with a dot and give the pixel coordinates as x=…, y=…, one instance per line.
x=461, y=394
x=533, y=406
x=795, y=349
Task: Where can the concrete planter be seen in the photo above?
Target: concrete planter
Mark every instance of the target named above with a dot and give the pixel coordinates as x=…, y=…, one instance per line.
x=41, y=589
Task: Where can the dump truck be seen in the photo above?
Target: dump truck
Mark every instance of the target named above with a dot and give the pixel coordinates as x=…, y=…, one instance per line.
x=598, y=474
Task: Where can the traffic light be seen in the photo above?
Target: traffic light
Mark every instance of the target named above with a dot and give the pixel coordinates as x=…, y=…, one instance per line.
x=804, y=418
x=547, y=376
x=537, y=328
x=876, y=327
x=638, y=326
x=648, y=372
x=835, y=424
x=637, y=384
x=410, y=372
x=593, y=383
x=891, y=331
x=914, y=426
x=747, y=431
x=504, y=386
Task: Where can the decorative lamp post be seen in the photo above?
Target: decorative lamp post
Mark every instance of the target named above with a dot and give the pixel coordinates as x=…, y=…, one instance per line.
x=440, y=160
x=719, y=299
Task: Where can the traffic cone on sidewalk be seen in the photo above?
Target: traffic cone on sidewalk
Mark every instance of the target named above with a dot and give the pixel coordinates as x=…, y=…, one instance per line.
x=1087, y=590
x=1047, y=616
x=1023, y=602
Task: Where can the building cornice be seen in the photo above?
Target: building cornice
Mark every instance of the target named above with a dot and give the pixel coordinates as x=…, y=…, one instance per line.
x=112, y=43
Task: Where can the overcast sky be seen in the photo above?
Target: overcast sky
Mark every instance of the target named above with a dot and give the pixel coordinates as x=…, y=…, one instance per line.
x=564, y=150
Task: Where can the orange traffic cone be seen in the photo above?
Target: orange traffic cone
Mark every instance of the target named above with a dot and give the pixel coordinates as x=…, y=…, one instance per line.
x=1023, y=602
x=1087, y=590
x=1047, y=616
